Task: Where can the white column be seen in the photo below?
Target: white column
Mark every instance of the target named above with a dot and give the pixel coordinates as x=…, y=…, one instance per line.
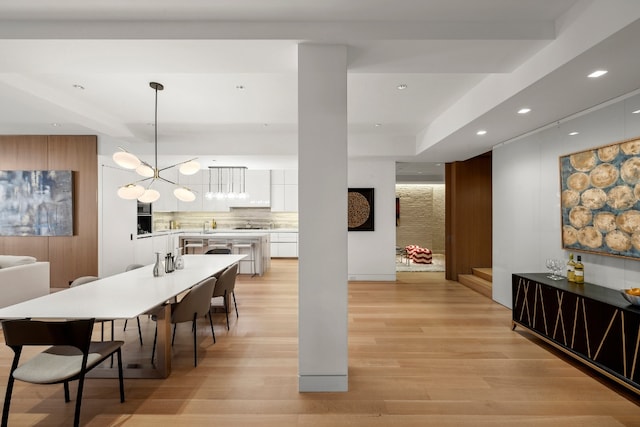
x=322, y=196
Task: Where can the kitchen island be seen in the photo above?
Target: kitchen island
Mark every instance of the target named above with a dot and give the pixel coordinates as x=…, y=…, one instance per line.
x=230, y=238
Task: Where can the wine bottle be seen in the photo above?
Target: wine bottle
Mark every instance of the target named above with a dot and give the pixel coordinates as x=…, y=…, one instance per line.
x=571, y=269
x=579, y=270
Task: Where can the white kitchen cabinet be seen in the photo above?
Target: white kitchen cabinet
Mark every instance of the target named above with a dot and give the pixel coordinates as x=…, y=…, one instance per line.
x=198, y=178
x=197, y=204
x=214, y=205
x=167, y=201
x=146, y=247
x=288, y=250
x=290, y=198
x=284, y=245
x=258, y=189
x=284, y=190
x=118, y=221
x=163, y=243
x=143, y=251
x=277, y=198
x=290, y=177
x=277, y=177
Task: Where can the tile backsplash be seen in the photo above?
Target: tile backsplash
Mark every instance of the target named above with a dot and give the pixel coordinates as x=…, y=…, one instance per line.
x=237, y=217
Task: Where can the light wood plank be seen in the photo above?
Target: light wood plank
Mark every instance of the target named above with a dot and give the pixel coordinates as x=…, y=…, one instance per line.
x=422, y=351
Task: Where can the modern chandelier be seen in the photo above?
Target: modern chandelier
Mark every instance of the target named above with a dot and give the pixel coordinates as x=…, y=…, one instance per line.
x=127, y=160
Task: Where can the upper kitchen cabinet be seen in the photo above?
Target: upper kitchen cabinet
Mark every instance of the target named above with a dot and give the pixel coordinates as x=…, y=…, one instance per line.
x=213, y=204
x=198, y=178
x=258, y=189
x=194, y=183
x=284, y=190
x=195, y=205
x=167, y=201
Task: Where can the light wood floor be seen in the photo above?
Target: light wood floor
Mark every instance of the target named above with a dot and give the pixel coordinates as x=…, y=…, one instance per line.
x=422, y=352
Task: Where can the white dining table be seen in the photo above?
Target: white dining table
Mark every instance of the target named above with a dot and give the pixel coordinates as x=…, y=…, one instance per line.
x=125, y=296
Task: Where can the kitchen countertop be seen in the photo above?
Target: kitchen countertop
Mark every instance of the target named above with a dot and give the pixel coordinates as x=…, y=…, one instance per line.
x=192, y=231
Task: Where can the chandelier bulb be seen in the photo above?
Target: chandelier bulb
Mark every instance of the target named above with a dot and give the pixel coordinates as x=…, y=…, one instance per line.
x=126, y=160
x=145, y=170
x=149, y=196
x=130, y=191
x=189, y=168
x=184, y=194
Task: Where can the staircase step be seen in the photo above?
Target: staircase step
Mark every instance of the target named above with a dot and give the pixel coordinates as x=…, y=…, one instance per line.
x=478, y=284
x=483, y=273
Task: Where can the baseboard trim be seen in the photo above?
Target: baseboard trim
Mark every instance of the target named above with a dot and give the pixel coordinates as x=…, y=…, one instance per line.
x=372, y=277
x=323, y=383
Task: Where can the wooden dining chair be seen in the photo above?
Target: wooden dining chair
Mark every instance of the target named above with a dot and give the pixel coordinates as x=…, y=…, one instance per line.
x=196, y=303
x=72, y=354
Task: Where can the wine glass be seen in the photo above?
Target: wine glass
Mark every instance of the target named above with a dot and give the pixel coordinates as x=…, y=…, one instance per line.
x=549, y=265
x=557, y=266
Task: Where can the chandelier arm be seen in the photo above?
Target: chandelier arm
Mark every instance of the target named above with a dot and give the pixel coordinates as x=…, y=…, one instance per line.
x=140, y=180
x=171, y=182
x=177, y=164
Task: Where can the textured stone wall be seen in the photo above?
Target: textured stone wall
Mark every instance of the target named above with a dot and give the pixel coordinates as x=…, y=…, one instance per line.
x=421, y=216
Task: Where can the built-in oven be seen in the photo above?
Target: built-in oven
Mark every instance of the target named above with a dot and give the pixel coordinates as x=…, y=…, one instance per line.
x=144, y=218
x=144, y=208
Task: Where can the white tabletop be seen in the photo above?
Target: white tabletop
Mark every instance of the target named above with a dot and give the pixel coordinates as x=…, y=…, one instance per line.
x=121, y=296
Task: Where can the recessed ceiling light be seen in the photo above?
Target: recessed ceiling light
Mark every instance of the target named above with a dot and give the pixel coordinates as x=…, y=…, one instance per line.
x=635, y=112
x=524, y=110
x=481, y=132
x=402, y=86
x=240, y=87
x=574, y=133
x=597, y=73
x=378, y=125
x=80, y=87
x=55, y=125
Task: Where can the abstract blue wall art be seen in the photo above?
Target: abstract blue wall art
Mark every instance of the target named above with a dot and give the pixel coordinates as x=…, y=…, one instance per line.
x=36, y=203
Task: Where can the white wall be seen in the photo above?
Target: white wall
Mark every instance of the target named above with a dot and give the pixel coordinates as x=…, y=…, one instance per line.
x=526, y=198
x=372, y=253
x=323, y=358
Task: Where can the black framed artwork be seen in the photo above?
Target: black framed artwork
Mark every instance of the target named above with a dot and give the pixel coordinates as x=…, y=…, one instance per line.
x=361, y=209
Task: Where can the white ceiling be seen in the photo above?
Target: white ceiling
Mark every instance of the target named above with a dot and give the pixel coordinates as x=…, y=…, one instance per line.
x=467, y=64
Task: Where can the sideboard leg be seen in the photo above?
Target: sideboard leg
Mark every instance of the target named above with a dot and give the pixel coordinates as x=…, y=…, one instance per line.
x=513, y=325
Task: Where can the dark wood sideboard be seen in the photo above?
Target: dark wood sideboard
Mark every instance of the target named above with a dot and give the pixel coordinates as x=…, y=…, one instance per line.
x=591, y=323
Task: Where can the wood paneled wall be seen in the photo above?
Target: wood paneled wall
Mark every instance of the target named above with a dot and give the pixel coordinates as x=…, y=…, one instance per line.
x=73, y=256
x=468, y=222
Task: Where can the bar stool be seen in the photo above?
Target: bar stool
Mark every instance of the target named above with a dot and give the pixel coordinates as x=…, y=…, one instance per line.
x=192, y=243
x=218, y=244
x=238, y=246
